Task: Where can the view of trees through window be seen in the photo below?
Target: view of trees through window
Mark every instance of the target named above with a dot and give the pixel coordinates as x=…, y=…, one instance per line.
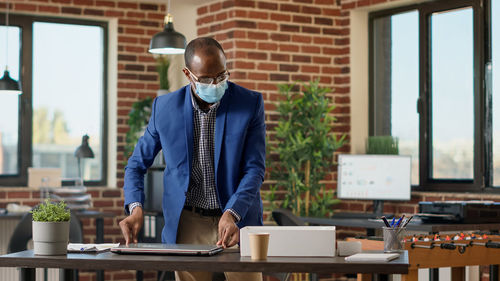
x=67, y=96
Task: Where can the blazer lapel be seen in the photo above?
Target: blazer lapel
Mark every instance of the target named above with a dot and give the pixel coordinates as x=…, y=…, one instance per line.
x=188, y=125
x=220, y=123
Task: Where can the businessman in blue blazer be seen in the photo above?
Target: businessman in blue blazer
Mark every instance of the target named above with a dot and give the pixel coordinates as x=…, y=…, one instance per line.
x=212, y=134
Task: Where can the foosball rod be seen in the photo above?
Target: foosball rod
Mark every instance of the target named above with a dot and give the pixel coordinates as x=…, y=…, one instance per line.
x=488, y=244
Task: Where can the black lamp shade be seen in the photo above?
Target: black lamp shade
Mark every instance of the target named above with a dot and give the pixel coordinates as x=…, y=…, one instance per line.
x=7, y=84
x=84, y=150
x=168, y=41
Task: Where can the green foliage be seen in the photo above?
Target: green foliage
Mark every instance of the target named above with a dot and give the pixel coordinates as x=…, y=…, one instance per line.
x=138, y=119
x=305, y=144
x=51, y=212
x=382, y=145
x=162, y=65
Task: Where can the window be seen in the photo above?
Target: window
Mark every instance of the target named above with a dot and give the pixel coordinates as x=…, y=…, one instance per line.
x=427, y=68
x=493, y=72
x=64, y=98
x=452, y=92
x=396, y=82
x=9, y=103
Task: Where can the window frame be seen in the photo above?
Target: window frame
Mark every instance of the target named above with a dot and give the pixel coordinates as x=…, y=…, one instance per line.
x=25, y=131
x=483, y=158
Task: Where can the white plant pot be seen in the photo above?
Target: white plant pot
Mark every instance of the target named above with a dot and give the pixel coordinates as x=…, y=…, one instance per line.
x=50, y=238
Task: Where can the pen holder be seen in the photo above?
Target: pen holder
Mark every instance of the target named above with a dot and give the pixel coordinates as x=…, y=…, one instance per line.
x=393, y=239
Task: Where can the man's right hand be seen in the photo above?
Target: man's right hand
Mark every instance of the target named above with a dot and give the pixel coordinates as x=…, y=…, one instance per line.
x=131, y=225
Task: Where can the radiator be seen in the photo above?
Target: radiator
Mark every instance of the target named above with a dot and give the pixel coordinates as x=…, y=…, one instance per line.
x=12, y=274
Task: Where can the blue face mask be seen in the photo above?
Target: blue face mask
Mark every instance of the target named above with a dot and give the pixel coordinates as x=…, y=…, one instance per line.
x=211, y=93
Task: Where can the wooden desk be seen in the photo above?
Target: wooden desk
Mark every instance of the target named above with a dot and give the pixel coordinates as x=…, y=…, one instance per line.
x=226, y=261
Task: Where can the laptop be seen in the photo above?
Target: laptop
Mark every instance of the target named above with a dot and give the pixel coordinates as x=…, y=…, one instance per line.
x=168, y=249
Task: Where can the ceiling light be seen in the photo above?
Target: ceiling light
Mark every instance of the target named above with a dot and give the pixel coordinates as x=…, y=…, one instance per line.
x=168, y=41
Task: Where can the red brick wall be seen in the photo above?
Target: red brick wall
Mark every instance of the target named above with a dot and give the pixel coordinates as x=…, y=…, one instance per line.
x=267, y=43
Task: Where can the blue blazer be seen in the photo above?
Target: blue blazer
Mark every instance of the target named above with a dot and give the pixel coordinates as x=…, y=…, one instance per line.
x=239, y=155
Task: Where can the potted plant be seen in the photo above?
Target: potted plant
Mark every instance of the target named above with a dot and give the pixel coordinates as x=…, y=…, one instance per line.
x=304, y=143
x=382, y=145
x=51, y=228
x=162, y=66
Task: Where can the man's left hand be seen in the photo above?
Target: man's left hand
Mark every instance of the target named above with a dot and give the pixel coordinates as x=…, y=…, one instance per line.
x=229, y=233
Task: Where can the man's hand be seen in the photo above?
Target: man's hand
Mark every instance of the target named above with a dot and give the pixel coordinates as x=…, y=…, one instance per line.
x=229, y=233
x=131, y=225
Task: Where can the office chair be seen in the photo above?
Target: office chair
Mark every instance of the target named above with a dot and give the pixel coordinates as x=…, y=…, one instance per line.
x=23, y=233
x=284, y=217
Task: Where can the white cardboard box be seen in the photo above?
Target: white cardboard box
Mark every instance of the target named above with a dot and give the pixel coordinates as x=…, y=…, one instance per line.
x=293, y=241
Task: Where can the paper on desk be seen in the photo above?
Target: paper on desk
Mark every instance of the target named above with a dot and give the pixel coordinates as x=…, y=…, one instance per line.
x=372, y=257
x=77, y=247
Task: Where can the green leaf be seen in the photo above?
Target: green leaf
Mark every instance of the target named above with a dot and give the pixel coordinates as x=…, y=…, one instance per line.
x=51, y=212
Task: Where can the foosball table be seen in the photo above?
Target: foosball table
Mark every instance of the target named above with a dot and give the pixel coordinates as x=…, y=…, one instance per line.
x=455, y=251
x=435, y=251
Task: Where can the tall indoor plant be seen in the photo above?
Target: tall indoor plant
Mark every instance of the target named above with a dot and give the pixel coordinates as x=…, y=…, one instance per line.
x=304, y=143
x=50, y=228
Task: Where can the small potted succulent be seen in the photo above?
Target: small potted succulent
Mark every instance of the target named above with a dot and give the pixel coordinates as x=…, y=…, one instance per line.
x=51, y=228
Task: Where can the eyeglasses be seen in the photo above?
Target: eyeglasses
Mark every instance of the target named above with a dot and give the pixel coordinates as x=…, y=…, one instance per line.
x=209, y=80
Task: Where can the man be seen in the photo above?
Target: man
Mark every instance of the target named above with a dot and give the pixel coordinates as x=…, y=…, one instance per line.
x=212, y=133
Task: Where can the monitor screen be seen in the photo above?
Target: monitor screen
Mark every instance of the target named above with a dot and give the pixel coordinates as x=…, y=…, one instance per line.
x=374, y=177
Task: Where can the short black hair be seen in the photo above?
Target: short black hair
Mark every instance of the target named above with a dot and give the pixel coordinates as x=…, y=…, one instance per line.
x=201, y=43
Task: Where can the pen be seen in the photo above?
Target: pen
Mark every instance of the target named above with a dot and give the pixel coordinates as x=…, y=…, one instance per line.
x=386, y=222
x=392, y=222
x=408, y=221
x=399, y=221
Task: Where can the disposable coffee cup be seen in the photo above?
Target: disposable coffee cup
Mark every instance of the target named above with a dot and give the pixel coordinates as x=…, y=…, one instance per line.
x=393, y=239
x=259, y=242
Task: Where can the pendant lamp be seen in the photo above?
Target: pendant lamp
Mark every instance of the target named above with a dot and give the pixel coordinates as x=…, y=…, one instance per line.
x=7, y=84
x=168, y=41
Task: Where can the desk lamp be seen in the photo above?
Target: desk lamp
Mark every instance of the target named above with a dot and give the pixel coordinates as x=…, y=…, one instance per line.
x=83, y=151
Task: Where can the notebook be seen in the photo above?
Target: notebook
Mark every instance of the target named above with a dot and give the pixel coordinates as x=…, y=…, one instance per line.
x=372, y=257
x=168, y=249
